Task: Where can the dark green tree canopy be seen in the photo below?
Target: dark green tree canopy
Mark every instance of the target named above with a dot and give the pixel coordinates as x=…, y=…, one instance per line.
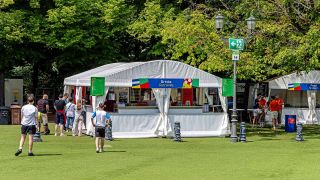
x=59, y=38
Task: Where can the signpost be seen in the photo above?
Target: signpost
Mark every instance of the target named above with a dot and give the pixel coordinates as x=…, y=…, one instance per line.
x=236, y=44
x=235, y=56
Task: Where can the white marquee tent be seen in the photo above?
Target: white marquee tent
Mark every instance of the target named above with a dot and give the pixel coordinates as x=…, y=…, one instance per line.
x=309, y=114
x=159, y=123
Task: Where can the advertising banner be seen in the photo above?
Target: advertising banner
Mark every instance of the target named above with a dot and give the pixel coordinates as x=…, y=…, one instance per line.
x=227, y=87
x=144, y=83
x=97, y=87
x=303, y=87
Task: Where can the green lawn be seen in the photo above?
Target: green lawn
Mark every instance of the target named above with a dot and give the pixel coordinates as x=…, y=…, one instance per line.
x=267, y=155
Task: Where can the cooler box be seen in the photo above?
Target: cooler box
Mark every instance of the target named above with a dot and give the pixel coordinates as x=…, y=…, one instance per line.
x=290, y=123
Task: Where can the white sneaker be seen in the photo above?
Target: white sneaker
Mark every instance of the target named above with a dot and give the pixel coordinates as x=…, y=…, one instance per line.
x=55, y=134
x=100, y=150
x=61, y=134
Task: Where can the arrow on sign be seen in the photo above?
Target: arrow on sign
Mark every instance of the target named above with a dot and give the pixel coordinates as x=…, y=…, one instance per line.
x=233, y=43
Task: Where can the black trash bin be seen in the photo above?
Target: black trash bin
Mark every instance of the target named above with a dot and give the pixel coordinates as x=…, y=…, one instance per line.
x=4, y=115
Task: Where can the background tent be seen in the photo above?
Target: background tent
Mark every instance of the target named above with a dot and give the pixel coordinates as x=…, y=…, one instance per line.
x=300, y=103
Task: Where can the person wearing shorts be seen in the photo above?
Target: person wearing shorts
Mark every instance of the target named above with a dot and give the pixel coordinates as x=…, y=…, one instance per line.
x=43, y=108
x=280, y=107
x=29, y=115
x=60, y=106
x=102, y=120
x=256, y=110
x=273, y=107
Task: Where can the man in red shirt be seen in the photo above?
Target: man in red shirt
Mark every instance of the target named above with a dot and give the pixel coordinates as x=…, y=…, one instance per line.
x=273, y=107
x=280, y=106
x=262, y=105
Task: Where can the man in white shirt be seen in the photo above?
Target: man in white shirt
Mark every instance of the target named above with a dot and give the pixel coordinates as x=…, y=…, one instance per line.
x=103, y=119
x=29, y=115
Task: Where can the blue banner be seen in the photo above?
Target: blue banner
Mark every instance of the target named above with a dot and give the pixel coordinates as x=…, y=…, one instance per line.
x=303, y=87
x=164, y=83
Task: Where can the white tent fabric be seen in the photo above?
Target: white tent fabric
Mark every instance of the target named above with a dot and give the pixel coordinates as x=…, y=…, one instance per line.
x=300, y=77
x=121, y=75
x=78, y=93
x=312, y=106
x=223, y=100
x=163, y=100
x=67, y=89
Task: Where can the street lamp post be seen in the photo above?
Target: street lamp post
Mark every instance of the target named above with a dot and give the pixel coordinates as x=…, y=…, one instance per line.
x=219, y=19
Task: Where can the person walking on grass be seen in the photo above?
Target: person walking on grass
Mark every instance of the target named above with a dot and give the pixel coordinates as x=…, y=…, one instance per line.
x=78, y=120
x=43, y=108
x=102, y=120
x=29, y=115
x=60, y=106
x=256, y=111
x=70, y=112
x=273, y=107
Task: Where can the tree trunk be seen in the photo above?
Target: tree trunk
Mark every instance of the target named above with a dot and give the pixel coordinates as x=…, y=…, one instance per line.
x=246, y=97
x=35, y=78
x=2, y=101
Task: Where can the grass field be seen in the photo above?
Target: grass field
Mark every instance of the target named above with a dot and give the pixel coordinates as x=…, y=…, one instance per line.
x=266, y=155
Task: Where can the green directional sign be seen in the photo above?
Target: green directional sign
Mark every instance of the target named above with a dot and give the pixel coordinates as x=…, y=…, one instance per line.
x=236, y=44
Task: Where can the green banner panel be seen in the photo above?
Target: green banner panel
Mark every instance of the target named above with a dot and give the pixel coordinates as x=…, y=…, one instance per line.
x=97, y=87
x=227, y=87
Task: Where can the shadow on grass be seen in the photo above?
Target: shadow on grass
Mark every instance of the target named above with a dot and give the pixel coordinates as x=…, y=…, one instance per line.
x=116, y=151
x=308, y=132
x=47, y=154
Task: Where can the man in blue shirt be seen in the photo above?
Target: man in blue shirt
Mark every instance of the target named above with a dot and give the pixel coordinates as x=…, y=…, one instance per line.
x=103, y=119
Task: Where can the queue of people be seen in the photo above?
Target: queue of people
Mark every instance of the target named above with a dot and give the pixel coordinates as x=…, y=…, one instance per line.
x=68, y=116
x=261, y=107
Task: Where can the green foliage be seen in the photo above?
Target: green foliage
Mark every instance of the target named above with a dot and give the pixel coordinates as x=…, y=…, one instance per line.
x=5, y=3
x=281, y=44
x=84, y=34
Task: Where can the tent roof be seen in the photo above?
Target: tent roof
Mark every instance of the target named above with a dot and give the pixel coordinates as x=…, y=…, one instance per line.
x=297, y=77
x=121, y=74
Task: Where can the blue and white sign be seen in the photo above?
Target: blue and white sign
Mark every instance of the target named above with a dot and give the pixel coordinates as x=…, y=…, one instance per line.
x=303, y=87
x=164, y=83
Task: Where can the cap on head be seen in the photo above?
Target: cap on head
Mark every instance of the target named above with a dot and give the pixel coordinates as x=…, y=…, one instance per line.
x=60, y=96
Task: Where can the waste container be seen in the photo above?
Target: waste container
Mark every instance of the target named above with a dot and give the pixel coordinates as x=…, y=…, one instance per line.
x=15, y=114
x=290, y=123
x=4, y=115
x=205, y=108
